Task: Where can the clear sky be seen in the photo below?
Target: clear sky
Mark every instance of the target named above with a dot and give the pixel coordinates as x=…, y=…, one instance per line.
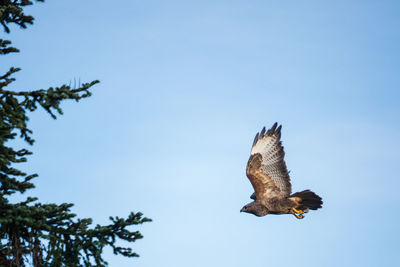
x=185, y=86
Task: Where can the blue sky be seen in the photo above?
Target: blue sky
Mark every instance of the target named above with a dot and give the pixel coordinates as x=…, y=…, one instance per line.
x=185, y=85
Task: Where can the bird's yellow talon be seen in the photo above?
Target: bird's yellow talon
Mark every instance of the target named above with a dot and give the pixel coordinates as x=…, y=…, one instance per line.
x=299, y=216
x=298, y=211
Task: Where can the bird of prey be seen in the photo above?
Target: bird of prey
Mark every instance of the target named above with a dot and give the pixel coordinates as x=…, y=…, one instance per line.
x=267, y=172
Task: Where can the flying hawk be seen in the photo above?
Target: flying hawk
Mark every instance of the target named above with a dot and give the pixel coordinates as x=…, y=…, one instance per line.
x=267, y=172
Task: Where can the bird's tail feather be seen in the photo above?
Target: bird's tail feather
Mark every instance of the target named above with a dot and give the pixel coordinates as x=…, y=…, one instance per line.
x=307, y=199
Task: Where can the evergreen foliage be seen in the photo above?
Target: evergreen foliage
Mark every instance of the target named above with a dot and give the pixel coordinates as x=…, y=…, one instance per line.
x=32, y=233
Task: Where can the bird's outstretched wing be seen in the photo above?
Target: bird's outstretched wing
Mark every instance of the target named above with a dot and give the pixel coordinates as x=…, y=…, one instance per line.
x=266, y=168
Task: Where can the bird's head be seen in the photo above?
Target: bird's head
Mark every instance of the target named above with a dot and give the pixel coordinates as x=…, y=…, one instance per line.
x=255, y=208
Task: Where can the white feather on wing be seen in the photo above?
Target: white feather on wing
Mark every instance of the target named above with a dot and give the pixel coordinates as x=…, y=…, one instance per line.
x=269, y=146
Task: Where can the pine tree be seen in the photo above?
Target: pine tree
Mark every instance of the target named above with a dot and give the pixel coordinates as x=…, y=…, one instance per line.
x=32, y=233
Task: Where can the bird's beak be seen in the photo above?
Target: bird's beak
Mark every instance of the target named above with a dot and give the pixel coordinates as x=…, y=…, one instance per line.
x=241, y=210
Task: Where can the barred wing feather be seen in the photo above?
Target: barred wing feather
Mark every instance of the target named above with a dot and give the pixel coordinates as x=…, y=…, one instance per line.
x=266, y=168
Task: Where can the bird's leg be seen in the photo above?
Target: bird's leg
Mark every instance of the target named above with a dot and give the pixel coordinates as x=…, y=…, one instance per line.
x=297, y=211
x=299, y=215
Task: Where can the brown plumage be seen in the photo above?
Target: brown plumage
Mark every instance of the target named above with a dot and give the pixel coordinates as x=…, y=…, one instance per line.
x=267, y=172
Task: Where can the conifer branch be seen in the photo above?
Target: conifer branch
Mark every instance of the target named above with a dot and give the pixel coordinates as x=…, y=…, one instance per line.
x=32, y=232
